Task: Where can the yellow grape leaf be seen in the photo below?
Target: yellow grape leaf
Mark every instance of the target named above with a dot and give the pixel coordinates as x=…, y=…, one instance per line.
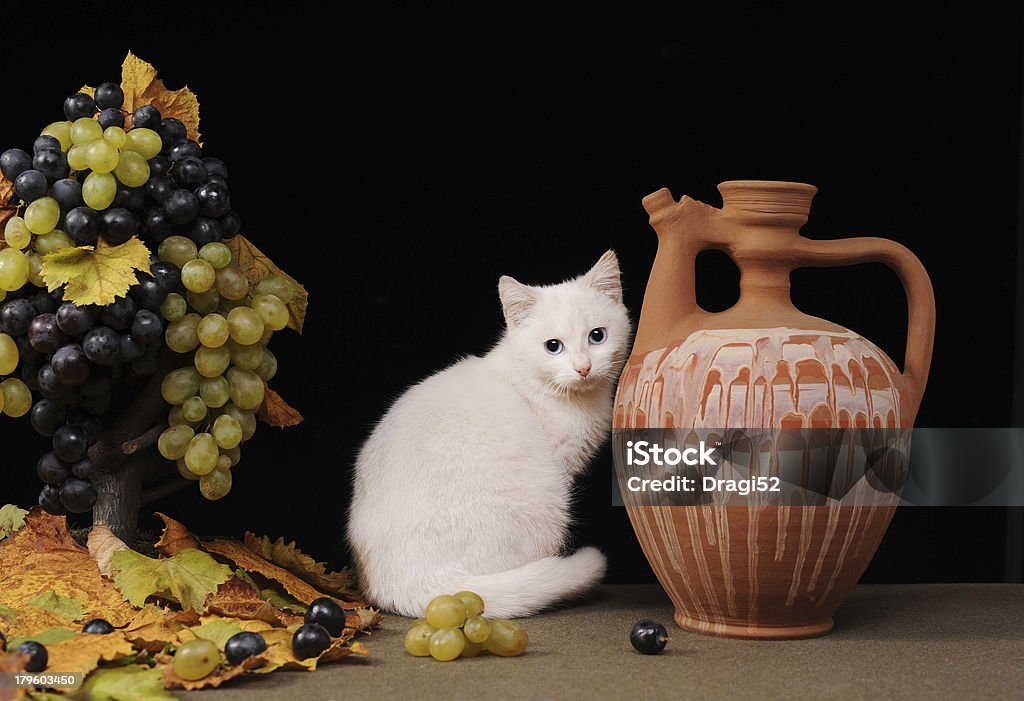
x=32, y=619
x=175, y=537
x=275, y=411
x=289, y=556
x=95, y=276
x=257, y=266
x=187, y=578
x=141, y=86
x=43, y=557
x=153, y=629
x=83, y=652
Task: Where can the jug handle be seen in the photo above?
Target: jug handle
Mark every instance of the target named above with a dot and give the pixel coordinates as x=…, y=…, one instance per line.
x=916, y=284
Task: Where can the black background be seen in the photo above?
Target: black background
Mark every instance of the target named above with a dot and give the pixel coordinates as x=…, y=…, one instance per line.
x=398, y=179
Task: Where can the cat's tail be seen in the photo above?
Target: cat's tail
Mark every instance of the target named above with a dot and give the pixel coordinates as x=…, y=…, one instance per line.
x=536, y=585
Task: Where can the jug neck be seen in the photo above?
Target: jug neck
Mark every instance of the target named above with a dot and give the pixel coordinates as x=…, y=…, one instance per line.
x=772, y=206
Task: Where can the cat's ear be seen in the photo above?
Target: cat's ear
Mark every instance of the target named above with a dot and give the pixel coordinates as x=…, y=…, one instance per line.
x=517, y=300
x=604, y=276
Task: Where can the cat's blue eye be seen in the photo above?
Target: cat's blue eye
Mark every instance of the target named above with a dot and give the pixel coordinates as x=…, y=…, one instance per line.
x=598, y=336
x=553, y=346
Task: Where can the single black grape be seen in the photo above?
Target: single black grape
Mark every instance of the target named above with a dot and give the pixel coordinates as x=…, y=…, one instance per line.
x=82, y=469
x=77, y=495
x=146, y=117
x=215, y=166
x=131, y=349
x=230, y=224
x=44, y=334
x=45, y=143
x=102, y=345
x=111, y=117
x=328, y=613
x=118, y=314
x=15, y=316
x=30, y=185
x=241, y=646
x=49, y=499
x=205, y=230
x=98, y=626
x=214, y=199
x=159, y=187
x=109, y=95
x=47, y=416
x=70, y=365
x=68, y=193
x=91, y=424
x=648, y=637
x=171, y=132
x=181, y=207
x=79, y=105
x=158, y=165
x=38, y=657
x=183, y=149
x=14, y=162
x=148, y=294
x=75, y=320
x=147, y=328
x=117, y=225
x=52, y=164
x=70, y=443
x=189, y=172
x=154, y=225
x=83, y=225
x=51, y=469
x=310, y=640
x=50, y=387
x=130, y=198
x=167, y=274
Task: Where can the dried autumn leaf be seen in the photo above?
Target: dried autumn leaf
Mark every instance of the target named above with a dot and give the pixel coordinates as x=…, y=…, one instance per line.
x=187, y=578
x=63, y=606
x=279, y=653
x=289, y=556
x=31, y=620
x=257, y=266
x=153, y=628
x=250, y=561
x=364, y=619
x=212, y=680
x=11, y=517
x=175, y=537
x=275, y=411
x=127, y=683
x=12, y=663
x=141, y=86
x=95, y=276
x=102, y=544
x=84, y=652
x=239, y=599
x=43, y=557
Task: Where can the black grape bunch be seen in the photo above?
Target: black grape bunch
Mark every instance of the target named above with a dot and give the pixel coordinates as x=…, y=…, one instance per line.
x=99, y=178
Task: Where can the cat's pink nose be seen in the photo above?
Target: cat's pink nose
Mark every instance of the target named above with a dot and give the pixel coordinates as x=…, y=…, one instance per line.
x=584, y=371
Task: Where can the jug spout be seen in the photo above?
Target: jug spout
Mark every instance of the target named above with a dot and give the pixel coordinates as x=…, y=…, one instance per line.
x=767, y=202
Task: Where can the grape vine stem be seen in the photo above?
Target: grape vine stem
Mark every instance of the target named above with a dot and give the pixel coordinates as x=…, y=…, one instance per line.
x=146, y=440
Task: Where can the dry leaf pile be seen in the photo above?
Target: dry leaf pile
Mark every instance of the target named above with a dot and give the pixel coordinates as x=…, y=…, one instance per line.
x=50, y=585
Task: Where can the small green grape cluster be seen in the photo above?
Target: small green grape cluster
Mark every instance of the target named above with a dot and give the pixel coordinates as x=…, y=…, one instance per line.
x=455, y=627
x=225, y=326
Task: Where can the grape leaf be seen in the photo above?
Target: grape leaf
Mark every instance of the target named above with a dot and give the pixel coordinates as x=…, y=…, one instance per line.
x=187, y=578
x=217, y=631
x=11, y=519
x=127, y=683
x=153, y=629
x=141, y=86
x=63, y=606
x=275, y=411
x=43, y=557
x=289, y=556
x=214, y=679
x=102, y=544
x=237, y=598
x=95, y=275
x=257, y=266
x=80, y=652
x=175, y=537
x=32, y=619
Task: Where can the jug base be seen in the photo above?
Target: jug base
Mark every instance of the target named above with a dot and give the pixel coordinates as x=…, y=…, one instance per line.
x=753, y=631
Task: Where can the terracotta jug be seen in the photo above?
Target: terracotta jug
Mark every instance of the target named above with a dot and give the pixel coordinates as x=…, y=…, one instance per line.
x=758, y=570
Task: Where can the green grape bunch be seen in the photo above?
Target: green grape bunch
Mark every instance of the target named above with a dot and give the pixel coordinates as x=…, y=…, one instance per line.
x=103, y=177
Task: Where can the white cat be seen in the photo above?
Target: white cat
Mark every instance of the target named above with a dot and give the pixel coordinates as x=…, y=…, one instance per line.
x=466, y=482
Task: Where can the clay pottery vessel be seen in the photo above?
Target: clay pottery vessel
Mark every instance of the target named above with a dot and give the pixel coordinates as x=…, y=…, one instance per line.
x=758, y=568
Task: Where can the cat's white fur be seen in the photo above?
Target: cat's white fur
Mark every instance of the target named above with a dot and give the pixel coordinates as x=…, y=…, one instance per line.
x=466, y=482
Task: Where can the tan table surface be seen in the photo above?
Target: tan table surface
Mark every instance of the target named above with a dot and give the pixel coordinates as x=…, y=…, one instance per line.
x=933, y=641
